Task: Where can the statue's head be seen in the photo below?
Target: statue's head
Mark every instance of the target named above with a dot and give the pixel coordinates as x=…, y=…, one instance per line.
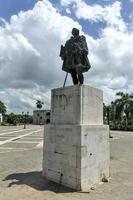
x=75, y=32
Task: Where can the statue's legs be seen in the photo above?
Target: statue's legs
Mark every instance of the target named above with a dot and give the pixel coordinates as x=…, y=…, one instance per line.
x=80, y=74
x=77, y=75
x=74, y=77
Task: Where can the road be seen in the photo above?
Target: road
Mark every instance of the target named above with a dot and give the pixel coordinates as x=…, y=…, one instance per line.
x=21, y=169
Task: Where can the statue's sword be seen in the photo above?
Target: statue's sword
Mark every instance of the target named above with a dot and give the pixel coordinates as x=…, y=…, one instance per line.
x=65, y=80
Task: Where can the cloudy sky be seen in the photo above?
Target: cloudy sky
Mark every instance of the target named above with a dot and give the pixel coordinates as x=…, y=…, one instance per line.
x=32, y=31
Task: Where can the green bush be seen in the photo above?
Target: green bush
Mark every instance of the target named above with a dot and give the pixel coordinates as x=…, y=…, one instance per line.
x=121, y=127
x=3, y=123
x=12, y=119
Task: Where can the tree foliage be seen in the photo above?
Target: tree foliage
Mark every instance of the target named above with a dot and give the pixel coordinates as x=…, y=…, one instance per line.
x=2, y=108
x=119, y=114
x=39, y=104
x=13, y=119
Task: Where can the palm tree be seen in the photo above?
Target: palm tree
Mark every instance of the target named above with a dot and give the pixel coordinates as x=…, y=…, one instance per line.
x=39, y=104
x=124, y=107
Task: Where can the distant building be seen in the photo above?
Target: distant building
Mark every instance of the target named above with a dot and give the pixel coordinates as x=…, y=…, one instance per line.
x=41, y=116
x=1, y=118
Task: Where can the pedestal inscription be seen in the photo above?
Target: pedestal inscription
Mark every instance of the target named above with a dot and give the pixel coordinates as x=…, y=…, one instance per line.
x=77, y=105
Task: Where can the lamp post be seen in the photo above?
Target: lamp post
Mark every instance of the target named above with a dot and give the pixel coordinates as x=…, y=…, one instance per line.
x=25, y=115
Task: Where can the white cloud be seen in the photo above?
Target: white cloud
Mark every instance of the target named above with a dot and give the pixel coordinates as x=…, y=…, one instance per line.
x=111, y=14
x=25, y=99
x=68, y=11
x=68, y=2
x=29, y=58
x=30, y=46
x=111, y=58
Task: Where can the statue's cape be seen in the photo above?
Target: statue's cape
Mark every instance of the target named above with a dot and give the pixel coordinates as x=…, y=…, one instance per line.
x=75, y=52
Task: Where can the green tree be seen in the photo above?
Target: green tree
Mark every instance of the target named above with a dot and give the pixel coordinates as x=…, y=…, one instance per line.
x=124, y=107
x=13, y=119
x=131, y=112
x=39, y=104
x=107, y=113
x=2, y=108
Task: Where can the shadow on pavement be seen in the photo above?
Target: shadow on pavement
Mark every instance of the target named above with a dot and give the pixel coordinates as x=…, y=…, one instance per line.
x=37, y=181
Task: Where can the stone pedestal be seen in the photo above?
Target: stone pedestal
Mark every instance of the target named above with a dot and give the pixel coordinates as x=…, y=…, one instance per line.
x=76, y=143
x=77, y=105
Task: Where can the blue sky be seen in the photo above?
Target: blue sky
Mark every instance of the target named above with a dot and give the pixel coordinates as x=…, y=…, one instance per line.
x=12, y=7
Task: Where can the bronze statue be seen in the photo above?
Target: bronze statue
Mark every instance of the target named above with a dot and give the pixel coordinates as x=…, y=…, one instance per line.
x=74, y=56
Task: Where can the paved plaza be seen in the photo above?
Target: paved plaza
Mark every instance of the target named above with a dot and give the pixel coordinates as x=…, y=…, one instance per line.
x=17, y=138
x=21, y=169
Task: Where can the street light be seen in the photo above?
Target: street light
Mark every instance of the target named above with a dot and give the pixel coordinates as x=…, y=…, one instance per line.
x=25, y=115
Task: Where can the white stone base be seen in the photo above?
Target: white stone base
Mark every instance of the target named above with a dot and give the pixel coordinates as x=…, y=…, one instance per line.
x=77, y=104
x=76, y=156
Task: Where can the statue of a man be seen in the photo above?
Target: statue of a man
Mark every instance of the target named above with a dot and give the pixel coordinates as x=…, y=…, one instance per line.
x=74, y=56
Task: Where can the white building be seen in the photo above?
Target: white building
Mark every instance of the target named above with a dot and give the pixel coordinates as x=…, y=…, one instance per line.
x=41, y=116
x=1, y=118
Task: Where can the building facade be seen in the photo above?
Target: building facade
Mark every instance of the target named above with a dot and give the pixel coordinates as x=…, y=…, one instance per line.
x=41, y=117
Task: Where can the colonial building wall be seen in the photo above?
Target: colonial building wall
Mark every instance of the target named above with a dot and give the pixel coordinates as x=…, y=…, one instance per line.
x=41, y=116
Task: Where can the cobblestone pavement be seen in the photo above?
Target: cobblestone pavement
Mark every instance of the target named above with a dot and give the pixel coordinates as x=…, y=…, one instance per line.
x=21, y=169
